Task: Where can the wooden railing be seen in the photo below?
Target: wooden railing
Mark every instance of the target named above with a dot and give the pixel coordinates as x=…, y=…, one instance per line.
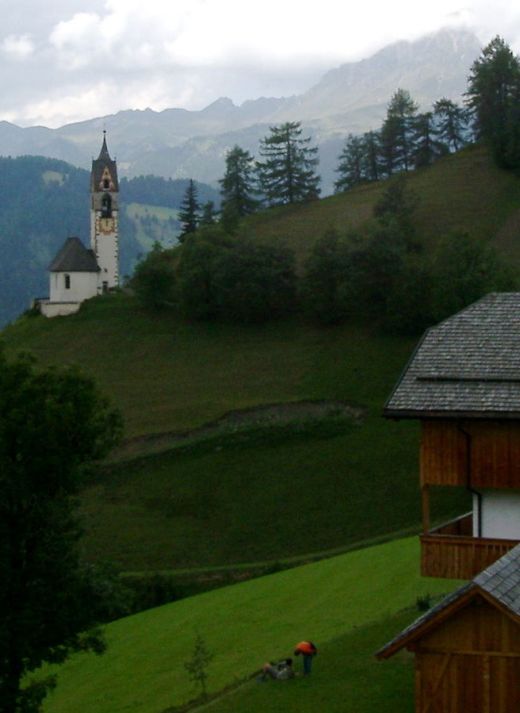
x=452, y=552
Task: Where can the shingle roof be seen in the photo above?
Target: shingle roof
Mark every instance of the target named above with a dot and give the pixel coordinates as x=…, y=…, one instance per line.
x=467, y=365
x=501, y=581
x=98, y=166
x=74, y=257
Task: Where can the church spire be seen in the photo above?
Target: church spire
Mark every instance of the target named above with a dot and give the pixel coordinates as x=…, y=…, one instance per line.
x=103, y=154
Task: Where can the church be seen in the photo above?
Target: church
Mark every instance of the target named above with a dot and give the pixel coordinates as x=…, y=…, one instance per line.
x=78, y=273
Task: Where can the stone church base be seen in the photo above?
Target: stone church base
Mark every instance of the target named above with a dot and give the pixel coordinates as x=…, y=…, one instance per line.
x=58, y=309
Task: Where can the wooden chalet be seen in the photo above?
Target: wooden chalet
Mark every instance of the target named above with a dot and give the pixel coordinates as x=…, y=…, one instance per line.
x=463, y=384
x=467, y=648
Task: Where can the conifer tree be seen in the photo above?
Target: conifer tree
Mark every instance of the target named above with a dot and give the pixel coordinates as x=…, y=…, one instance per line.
x=372, y=155
x=287, y=173
x=351, y=164
x=397, y=133
x=426, y=148
x=189, y=211
x=493, y=90
x=451, y=121
x=237, y=186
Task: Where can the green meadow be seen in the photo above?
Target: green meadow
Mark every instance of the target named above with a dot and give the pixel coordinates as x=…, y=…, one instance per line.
x=255, y=621
x=261, y=492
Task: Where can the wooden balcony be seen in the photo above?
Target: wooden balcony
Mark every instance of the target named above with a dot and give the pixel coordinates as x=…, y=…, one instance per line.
x=451, y=551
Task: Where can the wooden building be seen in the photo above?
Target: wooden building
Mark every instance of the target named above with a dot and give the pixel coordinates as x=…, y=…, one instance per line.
x=463, y=384
x=467, y=648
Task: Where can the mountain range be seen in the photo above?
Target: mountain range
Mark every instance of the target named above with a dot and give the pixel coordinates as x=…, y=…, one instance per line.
x=178, y=143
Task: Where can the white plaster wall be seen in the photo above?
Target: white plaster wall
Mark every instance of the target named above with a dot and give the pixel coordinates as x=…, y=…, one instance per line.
x=83, y=285
x=500, y=514
x=105, y=246
x=107, y=259
x=58, y=309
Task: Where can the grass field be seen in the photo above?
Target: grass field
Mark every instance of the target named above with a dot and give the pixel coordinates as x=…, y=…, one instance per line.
x=247, y=624
x=246, y=496
x=165, y=374
x=346, y=678
x=464, y=191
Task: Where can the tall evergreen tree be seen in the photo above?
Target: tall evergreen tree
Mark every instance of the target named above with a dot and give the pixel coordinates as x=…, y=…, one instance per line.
x=492, y=92
x=287, y=173
x=451, y=123
x=351, y=164
x=189, y=211
x=397, y=133
x=237, y=188
x=426, y=147
x=372, y=155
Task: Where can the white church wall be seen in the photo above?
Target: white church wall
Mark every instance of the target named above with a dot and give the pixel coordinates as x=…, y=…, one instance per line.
x=73, y=286
x=107, y=258
x=500, y=514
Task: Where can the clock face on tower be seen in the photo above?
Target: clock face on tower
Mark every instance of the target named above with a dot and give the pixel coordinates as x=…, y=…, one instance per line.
x=106, y=225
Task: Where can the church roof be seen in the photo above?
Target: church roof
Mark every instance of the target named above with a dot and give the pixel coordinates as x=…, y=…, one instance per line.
x=499, y=583
x=468, y=365
x=99, y=165
x=74, y=257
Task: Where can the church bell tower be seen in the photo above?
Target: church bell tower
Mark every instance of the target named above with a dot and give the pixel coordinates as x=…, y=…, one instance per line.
x=104, y=217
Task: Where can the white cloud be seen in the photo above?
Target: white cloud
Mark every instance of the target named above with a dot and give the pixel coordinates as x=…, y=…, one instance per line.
x=114, y=54
x=18, y=47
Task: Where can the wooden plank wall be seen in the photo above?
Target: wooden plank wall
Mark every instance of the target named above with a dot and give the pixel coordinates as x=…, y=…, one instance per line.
x=470, y=664
x=460, y=557
x=495, y=453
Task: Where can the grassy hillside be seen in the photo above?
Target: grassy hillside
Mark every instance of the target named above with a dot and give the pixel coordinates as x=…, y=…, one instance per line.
x=463, y=191
x=250, y=623
x=264, y=491
x=237, y=497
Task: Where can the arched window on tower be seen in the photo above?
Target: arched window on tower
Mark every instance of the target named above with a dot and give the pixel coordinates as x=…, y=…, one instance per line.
x=106, y=206
x=106, y=184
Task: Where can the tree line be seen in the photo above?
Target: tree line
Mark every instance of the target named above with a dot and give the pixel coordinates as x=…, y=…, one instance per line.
x=286, y=171
x=380, y=276
x=284, y=175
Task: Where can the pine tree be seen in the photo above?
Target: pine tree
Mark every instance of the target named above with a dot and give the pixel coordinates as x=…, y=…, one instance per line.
x=237, y=186
x=397, y=133
x=288, y=172
x=452, y=121
x=426, y=147
x=351, y=164
x=189, y=211
x=372, y=155
x=493, y=89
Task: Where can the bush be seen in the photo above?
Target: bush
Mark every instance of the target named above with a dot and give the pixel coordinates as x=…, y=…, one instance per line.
x=154, y=279
x=234, y=279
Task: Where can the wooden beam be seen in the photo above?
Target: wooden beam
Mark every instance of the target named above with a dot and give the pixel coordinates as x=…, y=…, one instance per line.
x=468, y=652
x=425, y=493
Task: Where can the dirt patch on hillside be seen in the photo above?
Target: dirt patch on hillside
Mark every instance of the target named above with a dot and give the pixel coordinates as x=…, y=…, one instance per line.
x=243, y=419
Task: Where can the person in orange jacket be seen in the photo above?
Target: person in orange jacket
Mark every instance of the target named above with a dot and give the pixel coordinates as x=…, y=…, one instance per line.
x=308, y=650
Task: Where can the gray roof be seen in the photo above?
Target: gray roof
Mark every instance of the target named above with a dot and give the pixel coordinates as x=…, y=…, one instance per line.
x=468, y=365
x=74, y=257
x=501, y=581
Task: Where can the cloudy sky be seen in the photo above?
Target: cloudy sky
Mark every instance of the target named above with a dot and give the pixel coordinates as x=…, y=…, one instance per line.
x=68, y=60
